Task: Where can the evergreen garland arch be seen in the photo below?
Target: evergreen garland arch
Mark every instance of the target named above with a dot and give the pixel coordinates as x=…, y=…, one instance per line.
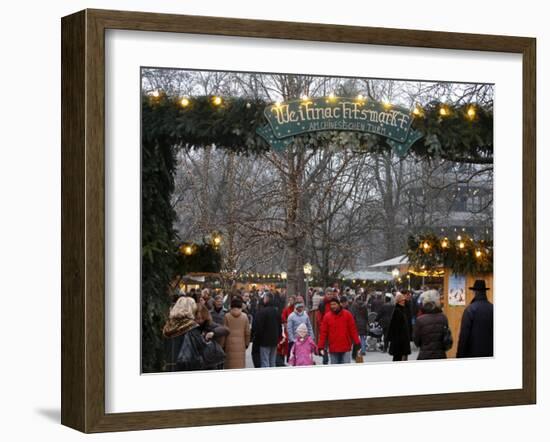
x=169, y=125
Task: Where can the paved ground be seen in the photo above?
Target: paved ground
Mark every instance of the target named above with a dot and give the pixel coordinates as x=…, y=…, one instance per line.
x=371, y=357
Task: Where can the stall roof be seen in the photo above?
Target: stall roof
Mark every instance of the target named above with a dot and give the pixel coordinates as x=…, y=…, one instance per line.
x=400, y=260
x=368, y=275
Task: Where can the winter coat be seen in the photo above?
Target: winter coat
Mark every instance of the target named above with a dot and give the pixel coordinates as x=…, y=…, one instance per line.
x=294, y=320
x=384, y=315
x=315, y=301
x=236, y=343
x=302, y=352
x=376, y=305
x=267, y=326
x=360, y=314
x=217, y=316
x=476, y=330
x=174, y=330
x=339, y=330
x=428, y=333
x=398, y=332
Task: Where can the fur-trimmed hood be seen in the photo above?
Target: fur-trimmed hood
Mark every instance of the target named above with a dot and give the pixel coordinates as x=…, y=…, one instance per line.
x=178, y=326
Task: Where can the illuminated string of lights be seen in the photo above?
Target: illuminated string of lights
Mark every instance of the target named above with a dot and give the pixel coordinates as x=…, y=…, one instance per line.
x=462, y=254
x=470, y=111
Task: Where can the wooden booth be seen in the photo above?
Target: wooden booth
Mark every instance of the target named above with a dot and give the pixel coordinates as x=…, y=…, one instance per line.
x=452, y=303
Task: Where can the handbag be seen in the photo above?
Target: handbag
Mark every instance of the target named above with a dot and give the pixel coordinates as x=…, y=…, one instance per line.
x=447, y=338
x=213, y=354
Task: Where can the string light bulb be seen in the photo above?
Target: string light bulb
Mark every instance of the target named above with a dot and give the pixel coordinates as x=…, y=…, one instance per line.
x=155, y=93
x=217, y=100
x=445, y=243
x=360, y=97
x=417, y=111
x=386, y=104
x=331, y=96
x=184, y=102
x=426, y=246
x=478, y=253
x=443, y=111
x=471, y=112
x=304, y=97
x=461, y=245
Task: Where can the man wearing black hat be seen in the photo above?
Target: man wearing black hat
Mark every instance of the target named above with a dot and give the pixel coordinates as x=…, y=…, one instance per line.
x=476, y=330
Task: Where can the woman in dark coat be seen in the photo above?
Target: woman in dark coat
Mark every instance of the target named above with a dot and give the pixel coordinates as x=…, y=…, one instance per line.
x=430, y=327
x=384, y=317
x=398, y=331
x=181, y=321
x=360, y=315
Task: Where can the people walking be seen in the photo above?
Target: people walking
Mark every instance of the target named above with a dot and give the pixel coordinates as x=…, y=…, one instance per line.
x=239, y=335
x=304, y=347
x=399, y=337
x=360, y=314
x=430, y=328
x=218, y=312
x=384, y=317
x=324, y=307
x=295, y=319
x=476, y=330
x=181, y=320
x=267, y=331
x=338, y=329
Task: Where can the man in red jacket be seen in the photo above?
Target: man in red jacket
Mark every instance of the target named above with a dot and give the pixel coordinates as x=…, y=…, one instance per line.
x=338, y=328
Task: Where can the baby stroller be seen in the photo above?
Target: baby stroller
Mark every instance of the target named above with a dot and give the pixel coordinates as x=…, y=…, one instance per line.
x=375, y=333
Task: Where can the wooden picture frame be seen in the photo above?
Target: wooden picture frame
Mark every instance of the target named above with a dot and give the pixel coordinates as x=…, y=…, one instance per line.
x=83, y=220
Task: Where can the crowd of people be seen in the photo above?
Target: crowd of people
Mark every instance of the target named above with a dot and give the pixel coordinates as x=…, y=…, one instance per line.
x=213, y=330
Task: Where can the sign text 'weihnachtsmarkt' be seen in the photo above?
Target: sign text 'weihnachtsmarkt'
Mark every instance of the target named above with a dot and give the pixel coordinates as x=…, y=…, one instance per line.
x=288, y=119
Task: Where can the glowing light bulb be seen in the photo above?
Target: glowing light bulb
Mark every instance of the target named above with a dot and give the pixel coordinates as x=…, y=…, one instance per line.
x=360, y=97
x=478, y=253
x=185, y=102
x=471, y=112
x=305, y=97
x=417, y=111
x=217, y=100
x=443, y=111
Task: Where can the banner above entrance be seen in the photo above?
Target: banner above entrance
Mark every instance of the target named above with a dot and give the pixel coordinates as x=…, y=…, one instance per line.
x=288, y=119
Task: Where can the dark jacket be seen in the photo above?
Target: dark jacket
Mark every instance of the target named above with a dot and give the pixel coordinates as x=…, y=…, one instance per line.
x=266, y=327
x=360, y=313
x=428, y=333
x=476, y=330
x=384, y=315
x=376, y=304
x=217, y=316
x=398, y=332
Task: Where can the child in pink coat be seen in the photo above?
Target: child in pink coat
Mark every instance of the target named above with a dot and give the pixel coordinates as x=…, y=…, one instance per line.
x=303, y=349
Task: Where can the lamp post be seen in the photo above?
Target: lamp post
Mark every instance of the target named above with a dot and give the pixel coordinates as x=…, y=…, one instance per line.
x=395, y=274
x=307, y=271
x=283, y=277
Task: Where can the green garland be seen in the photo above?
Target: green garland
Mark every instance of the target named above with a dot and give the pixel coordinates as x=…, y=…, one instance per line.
x=232, y=125
x=462, y=256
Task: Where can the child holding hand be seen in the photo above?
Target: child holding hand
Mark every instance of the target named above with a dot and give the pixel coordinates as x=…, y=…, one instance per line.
x=303, y=349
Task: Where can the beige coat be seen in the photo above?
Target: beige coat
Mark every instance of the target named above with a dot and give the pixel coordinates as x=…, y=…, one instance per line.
x=238, y=339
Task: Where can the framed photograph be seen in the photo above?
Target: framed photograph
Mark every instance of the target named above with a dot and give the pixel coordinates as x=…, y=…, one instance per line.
x=251, y=205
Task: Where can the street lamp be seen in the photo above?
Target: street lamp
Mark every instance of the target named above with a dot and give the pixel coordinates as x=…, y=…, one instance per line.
x=307, y=271
x=216, y=239
x=283, y=277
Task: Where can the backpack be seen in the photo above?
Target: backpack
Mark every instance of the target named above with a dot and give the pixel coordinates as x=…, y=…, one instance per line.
x=447, y=338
